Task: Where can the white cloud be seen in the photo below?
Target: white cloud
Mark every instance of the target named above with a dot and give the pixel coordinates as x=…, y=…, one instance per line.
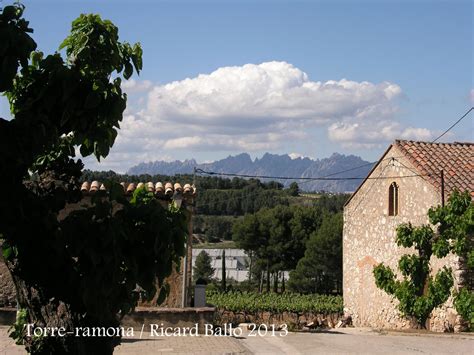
x=134, y=86
x=420, y=134
x=374, y=133
x=471, y=96
x=254, y=107
x=256, y=96
x=294, y=156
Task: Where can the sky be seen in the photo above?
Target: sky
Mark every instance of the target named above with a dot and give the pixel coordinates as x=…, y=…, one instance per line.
x=306, y=78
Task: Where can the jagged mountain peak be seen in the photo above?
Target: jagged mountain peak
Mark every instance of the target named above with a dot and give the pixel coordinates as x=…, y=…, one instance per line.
x=269, y=164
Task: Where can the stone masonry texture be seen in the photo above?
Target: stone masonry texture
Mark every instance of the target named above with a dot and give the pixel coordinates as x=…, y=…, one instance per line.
x=369, y=239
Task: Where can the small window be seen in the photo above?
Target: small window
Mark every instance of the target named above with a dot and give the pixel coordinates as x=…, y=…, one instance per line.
x=393, y=199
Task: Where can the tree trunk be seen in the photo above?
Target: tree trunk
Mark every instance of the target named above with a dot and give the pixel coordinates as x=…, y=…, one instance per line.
x=268, y=278
x=250, y=268
x=54, y=313
x=283, y=281
x=275, y=281
x=223, y=281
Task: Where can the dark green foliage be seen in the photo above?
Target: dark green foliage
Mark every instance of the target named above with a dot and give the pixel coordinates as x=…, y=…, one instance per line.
x=219, y=228
x=202, y=268
x=217, y=196
x=267, y=235
x=214, y=228
x=419, y=293
x=320, y=270
x=266, y=232
x=81, y=266
x=115, y=251
x=15, y=44
x=250, y=302
x=276, y=240
x=464, y=304
x=293, y=189
x=202, y=182
x=331, y=203
x=106, y=56
x=231, y=202
x=385, y=278
x=456, y=226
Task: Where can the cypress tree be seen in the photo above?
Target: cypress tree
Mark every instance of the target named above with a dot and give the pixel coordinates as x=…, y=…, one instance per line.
x=223, y=281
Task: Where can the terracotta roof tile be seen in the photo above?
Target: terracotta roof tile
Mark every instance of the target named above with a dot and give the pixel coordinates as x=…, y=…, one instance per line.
x=455, y=159
x=159, y=189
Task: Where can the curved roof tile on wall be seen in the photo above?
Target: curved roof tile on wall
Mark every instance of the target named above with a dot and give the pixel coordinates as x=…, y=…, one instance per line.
x=158, y=188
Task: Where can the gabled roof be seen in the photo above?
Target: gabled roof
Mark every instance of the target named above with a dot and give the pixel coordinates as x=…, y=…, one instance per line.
x=455, y=159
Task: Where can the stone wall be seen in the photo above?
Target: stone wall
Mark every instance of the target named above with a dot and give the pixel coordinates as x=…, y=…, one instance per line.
x=174, y=299
x=175, y=280
x=291, y=319
x=170, y=317
x=369, y=238
x=7, y=287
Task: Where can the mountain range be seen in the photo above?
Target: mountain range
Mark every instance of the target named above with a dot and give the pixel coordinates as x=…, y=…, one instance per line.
x=273, y=165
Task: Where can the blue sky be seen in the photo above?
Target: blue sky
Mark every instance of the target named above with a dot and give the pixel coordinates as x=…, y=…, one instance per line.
x=407, y=65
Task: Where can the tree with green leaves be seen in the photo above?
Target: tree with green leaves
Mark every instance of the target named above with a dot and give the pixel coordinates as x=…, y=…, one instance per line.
x=320, y=270
x=83, y=266
x=294, y=189
x=203, y=269
x=218, y=228
x=276, y=238
x=418, y=292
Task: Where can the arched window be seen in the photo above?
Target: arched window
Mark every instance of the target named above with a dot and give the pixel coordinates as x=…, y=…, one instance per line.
x=393, y=199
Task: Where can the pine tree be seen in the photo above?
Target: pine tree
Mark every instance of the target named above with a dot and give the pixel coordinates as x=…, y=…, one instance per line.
x=320, y=270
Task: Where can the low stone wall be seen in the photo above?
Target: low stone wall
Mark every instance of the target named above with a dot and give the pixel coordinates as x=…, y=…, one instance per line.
x=174, y=299
x=291, y=319
x=170, y=317
x=144, y=316
x=7, y=315
x=7, y=287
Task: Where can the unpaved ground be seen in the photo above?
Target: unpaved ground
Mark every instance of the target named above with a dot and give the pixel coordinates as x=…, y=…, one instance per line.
x=362, y=341
x=341, y=341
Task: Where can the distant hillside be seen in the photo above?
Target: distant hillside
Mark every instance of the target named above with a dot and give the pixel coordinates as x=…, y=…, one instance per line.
x=274, y=165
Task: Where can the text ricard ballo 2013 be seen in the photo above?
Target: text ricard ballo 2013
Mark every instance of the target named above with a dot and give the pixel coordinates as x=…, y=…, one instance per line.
x=160, y=330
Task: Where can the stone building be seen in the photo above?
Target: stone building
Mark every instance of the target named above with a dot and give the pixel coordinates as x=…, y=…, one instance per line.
x=401, y=187
x=166, y=193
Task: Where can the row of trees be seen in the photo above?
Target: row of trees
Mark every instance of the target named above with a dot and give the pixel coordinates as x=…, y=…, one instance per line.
x=203, y=182
x=250, y=199
x=217, y=196
x=304, y=239
x=307, y=240
x=214, y=228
